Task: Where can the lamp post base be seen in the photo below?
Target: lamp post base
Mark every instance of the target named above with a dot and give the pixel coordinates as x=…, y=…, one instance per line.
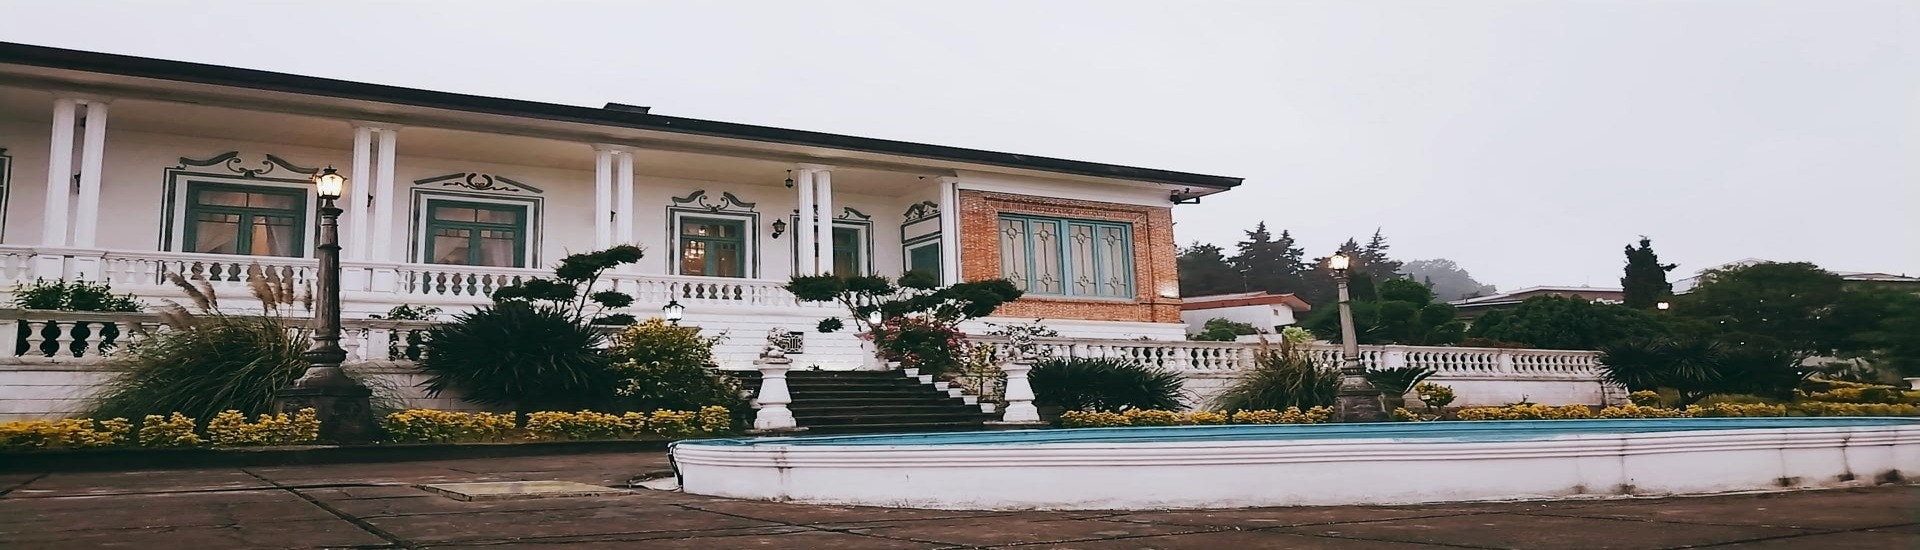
x=1358, y=401
x=345, y=410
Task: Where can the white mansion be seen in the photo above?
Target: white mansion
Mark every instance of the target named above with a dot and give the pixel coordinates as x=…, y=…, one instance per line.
x=120, y=169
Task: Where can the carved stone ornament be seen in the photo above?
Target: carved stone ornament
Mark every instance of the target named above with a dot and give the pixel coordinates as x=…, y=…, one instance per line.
x=270, y=166
x=480, y=182
x=700, y=200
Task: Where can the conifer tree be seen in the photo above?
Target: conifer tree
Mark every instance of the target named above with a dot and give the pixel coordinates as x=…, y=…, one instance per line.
x=1645, y=281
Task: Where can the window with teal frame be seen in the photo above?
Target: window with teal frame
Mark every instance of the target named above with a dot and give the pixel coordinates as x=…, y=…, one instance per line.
x=1067, y=257
x=713, y=247
x=245, y=219
x=476, y=233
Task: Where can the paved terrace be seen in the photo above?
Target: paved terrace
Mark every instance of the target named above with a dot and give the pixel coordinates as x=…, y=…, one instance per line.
x=378, y=506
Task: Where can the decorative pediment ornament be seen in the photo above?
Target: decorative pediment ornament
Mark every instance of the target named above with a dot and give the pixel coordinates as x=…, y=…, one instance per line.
x=231, y=161
x=479, y=182
x=921, y=211
x=848, y=213
x=699, y=199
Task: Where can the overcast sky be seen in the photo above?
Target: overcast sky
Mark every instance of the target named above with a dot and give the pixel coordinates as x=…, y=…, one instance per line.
x=1528, y=141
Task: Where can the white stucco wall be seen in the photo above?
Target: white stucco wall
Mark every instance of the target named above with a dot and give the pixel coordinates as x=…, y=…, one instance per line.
x=1263, y=317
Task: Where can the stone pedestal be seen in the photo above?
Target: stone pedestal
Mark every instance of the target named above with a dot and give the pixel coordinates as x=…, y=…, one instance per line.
x=1358, y=401
x=773, y=397
x=1019, y=394
x=343, y=405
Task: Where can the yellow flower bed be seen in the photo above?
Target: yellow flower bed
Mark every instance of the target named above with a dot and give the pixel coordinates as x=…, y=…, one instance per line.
x=1136, y=417
x=64, y=434
x=227, y=429
x=1715, y=410
x=436, y=426
x=431, y=426
x=231, y=429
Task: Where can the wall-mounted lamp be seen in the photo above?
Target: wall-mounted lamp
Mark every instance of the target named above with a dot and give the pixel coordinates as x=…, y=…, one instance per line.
x=1184, y=196
x=789, y=179
x=779, y=227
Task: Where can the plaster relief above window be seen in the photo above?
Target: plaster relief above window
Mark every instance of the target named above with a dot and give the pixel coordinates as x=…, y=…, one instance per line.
x=479, y=182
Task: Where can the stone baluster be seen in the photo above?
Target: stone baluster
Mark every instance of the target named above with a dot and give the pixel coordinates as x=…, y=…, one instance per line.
x=10, y=328
x=773, y=396
x=63, y=337
x=36, y=337
x=1019, y=393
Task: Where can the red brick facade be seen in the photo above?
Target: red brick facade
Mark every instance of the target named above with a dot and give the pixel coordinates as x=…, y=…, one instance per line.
x=1153, y=255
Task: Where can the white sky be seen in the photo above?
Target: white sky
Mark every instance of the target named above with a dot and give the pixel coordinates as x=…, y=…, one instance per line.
x=1527, y=140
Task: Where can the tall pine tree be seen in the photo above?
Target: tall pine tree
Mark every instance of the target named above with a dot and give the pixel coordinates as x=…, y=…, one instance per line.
x=1374, y=261
x=1269, y=264
x=1645, y=282
x=1204, y=270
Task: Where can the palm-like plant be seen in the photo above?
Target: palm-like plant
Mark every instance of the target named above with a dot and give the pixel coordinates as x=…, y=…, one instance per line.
x=207, y=360
x=1105, y=384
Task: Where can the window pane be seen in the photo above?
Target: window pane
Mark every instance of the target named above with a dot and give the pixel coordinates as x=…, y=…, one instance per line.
x=271, y=236
x=498, y=215
x=215, y=233
x=497, y=248
x=726, y=259
x=1013, y=252
x=266, y=200
x=1116, y=253
x=846, y=252
x=1048, y=277
x=453, y=214
x=710, y=228
x=221, y=198
x=451, y=246
x=924, y=258
x=693, y=257
x=1080, y=253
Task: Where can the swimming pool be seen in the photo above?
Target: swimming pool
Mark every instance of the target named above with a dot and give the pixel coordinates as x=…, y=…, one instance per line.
x=1277, y=465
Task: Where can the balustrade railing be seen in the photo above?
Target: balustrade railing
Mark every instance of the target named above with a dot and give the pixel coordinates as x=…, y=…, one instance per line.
x=1224, y=357
x=90, y=336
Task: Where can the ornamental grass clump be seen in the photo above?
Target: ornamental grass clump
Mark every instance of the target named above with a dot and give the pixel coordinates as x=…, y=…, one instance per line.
x=212, y=361
x=1283, y=376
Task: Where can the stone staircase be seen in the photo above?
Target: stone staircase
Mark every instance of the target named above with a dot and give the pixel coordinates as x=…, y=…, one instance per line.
x=845, y=402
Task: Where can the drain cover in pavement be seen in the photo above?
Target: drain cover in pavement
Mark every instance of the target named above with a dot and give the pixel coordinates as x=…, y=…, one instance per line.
x=503, y=490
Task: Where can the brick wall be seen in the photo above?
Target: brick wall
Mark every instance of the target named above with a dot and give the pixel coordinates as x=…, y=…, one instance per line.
x=1153, y=255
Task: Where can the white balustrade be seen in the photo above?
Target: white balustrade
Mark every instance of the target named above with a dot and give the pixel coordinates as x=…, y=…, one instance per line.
x=1225, y=357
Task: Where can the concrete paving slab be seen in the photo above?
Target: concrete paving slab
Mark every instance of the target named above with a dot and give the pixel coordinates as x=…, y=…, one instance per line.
x=572, y=522
x=151, y=511
x=803, y=539
x=1013, y=529
x=1261, y=518
x=1220, y=540
x=827, y=516
x=1854, y=540
x=519, y=490
x=121, y=483
x=285, y=534
x=1838, y=509
x=1532, y=531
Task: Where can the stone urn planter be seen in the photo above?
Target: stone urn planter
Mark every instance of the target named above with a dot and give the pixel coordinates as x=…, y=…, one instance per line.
x=1914, y=383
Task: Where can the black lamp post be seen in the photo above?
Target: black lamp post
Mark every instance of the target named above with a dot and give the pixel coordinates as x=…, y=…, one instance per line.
x=343, y=404
x=1357, y=399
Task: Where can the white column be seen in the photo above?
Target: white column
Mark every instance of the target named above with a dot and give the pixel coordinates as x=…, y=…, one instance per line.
x=360, y=189
x=86, y=223
x=803, y=227
x=623, y=199
x=602, y=198
x=53, y=224
x=383, y=212
x=949, y=230
x=823, y=185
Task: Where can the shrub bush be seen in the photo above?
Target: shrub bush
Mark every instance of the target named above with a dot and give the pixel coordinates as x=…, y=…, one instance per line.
x=1436, y=396
x=176, y=430
x=1107, y=384
x=1283, y=376
x=659, y=366
x=1646, y=398
x=72, y=296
